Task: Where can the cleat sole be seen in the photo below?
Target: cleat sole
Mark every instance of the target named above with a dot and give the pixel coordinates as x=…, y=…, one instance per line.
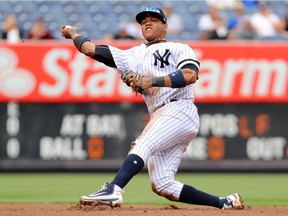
x=96, y=202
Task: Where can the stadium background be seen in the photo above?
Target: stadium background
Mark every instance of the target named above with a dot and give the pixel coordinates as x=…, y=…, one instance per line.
x=97, y=18
x=50, y=122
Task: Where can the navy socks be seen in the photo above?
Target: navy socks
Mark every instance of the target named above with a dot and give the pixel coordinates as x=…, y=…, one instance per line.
x=131, y=166
x=134, y=164
x=191, y=195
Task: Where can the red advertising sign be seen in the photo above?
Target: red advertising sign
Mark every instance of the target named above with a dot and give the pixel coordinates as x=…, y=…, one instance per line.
x=57, y=72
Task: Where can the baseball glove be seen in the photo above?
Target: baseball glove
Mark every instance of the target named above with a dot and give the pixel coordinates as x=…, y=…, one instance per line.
x=134, y=80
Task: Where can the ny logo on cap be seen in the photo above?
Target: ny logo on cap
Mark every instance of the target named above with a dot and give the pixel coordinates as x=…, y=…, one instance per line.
x=154, y=9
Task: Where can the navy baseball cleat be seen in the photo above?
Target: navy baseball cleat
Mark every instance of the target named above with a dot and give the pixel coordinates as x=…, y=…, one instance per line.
x=233, y=201
x=109, y=194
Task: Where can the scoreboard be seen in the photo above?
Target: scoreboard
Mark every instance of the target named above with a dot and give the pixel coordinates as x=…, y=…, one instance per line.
x=97, y=131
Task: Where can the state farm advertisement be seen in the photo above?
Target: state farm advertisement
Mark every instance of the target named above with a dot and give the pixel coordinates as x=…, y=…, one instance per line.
x=56, y=72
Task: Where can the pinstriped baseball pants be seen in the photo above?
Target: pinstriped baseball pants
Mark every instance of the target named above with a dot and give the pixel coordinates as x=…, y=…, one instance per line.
x=162, y=143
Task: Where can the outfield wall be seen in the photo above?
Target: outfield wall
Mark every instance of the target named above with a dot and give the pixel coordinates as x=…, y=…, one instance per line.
x=60, y=110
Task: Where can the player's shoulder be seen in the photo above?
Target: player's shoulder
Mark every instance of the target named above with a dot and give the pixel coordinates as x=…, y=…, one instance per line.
x=138, y=47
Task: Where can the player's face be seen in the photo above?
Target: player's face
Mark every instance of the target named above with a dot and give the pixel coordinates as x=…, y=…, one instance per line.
x=152, y=28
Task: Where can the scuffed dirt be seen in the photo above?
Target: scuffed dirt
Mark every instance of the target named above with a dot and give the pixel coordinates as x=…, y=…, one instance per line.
x=20, y=209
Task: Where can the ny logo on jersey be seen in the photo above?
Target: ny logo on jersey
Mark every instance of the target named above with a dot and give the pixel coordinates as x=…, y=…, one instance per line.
x=162, y=59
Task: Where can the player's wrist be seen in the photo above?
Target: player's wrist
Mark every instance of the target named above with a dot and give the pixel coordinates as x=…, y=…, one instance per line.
x=177, y=79
x=73, y=34
x=158, y=81
x=79, y=40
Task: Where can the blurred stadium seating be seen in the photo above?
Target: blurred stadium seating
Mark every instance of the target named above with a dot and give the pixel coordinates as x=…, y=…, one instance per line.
x=97, y=18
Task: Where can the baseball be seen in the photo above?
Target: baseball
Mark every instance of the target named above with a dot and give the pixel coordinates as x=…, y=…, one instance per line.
x=68, y=26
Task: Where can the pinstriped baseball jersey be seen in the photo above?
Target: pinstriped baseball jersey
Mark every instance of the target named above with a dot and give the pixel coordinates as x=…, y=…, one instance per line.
x=159, y=59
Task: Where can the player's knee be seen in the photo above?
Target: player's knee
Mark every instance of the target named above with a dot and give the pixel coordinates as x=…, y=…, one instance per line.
x=164, y=190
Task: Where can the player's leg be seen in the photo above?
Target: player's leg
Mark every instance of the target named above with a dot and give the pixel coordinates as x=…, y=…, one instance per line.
x=162, y=168
x=112, y=193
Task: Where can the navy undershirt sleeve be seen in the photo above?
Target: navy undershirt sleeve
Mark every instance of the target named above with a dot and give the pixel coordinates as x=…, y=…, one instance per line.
x=192, y=67
x=104, y=55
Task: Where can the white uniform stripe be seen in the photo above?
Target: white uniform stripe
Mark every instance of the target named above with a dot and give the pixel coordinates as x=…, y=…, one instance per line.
x=189, y=61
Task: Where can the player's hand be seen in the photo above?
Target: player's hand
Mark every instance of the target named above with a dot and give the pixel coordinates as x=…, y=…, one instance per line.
x=140, y=81
x=67, y=31
x=137, y=82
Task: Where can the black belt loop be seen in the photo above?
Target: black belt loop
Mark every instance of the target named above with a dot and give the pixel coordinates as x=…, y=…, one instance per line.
x=172, y=100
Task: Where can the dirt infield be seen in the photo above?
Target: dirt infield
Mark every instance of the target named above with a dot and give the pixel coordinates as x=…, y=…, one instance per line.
x=15, y=209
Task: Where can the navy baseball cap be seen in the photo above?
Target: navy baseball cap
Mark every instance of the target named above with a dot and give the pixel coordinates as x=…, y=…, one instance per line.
x=151, y=11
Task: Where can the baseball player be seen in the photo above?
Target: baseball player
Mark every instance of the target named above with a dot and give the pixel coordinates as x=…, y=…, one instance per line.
x=163, y=72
